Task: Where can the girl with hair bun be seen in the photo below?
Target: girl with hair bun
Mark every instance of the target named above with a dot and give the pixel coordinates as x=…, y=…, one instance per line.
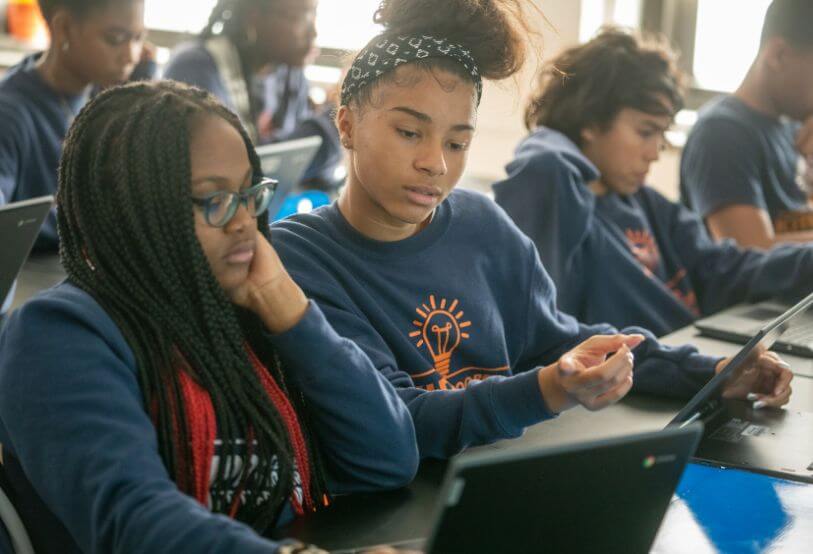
x=179, y=393
x=441, y=290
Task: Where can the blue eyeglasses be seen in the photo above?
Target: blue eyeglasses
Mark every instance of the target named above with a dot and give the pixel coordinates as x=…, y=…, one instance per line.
x=220, y=207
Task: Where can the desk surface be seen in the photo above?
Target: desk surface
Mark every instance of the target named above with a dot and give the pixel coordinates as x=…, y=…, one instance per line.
x=777, y=516
x=405, y=515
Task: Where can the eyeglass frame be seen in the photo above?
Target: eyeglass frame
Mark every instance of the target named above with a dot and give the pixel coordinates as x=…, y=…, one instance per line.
x=235, y=199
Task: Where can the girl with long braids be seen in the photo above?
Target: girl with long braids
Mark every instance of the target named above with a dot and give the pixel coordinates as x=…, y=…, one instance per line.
x=251, y=56
x=179, y=367
x=437, y=285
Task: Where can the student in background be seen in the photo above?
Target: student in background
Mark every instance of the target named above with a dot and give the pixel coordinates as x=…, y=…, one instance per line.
x=94, y=43
x=747, y=167
x=179, y=389
x=618, y=251
x=441, y=290
x=251, y=55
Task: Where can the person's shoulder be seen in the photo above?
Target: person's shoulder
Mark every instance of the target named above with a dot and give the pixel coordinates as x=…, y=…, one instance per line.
x=474, y=213
x=725, y=116
x=549, y=152
x=300, y=235
x=19, y=92
x=15, y=112
x=58, y=310
x=189, y=57
x=190, y=51
x=471, y=204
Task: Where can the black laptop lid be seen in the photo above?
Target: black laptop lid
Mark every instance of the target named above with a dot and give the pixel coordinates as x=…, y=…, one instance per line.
x=759, y=343
x=20, y=223
x=607, y=496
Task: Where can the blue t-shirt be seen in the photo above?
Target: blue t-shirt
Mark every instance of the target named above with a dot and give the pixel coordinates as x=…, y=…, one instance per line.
x=81, y=452
x=637, y=259
x=35, y=119
x=457, y=317
x=736, y=155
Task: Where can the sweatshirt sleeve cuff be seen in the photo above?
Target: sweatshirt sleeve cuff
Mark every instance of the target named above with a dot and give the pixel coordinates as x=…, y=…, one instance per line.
x=518, y=402
x=700, y=368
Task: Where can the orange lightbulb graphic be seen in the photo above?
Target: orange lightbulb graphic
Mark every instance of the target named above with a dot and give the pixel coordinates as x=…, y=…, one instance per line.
x=440, y=331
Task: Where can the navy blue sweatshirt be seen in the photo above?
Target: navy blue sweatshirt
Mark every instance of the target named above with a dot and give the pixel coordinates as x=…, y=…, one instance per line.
x=35, y=120
x=457, y=317
x=638, y=259
x=82, y=453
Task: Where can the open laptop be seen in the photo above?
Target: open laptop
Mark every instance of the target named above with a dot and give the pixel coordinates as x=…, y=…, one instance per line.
x=599, y=496
x=287, y=162
x=740, y=323
x=20, y=224
x=776, y=442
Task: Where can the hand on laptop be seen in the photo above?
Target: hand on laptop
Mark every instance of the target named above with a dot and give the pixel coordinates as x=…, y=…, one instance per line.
x=764, y=381
x=595, y=374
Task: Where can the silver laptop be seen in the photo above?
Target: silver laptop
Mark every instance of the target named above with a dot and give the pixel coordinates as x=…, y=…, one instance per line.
x=776, y=442
x=287, y=162
x=740, y=323
x=20, y=224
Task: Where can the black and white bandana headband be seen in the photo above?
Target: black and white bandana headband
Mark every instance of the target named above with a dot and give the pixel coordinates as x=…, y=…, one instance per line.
x=385, y=53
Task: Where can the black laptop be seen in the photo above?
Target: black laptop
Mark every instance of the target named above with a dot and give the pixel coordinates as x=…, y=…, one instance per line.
x=20, y=224
x=287, y=162
x=776, y=442
x=600, y=496
x=740, y=323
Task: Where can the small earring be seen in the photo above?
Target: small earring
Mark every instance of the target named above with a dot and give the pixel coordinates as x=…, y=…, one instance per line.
x=346, y=143
x=66, y=46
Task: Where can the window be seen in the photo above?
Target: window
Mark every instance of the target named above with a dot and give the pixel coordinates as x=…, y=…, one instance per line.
x=595, y=13
x=346, y=25
x=718, y=39
x=340, y=24
x=184, y=17
x=724, y=49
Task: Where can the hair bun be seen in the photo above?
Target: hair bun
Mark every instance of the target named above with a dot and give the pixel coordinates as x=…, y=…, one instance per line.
x=495, y=31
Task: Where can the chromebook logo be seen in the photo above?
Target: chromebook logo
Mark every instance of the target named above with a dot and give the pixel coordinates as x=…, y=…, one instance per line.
x=650, y=461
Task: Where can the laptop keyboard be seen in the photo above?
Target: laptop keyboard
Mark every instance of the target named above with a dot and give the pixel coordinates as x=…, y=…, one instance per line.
x=798, y=339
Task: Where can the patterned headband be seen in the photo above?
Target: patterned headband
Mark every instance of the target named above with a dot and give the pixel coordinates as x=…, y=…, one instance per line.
x=385, y=53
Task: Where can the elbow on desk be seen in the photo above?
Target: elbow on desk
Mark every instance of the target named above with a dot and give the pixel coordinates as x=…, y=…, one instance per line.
x=398, y=465
x=385, y=466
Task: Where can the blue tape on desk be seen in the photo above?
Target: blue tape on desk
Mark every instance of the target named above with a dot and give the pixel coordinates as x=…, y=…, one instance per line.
x=730, y=510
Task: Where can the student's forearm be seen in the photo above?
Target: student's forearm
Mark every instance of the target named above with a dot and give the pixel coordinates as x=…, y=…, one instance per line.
x=447, y=421
x=365, y=429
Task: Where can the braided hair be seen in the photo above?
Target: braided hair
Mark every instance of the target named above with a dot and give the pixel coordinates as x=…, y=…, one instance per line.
x=127, y=237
